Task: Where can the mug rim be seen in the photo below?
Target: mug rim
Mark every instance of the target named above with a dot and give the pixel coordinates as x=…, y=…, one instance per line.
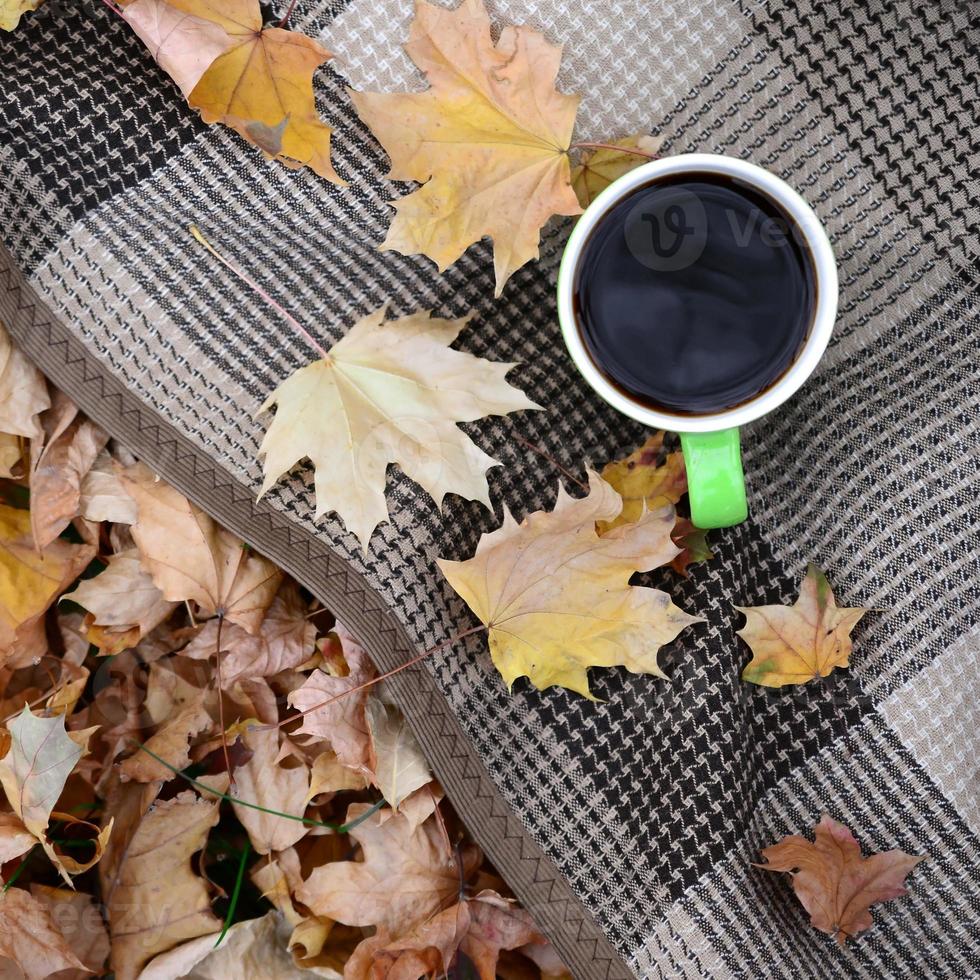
x=825, y=271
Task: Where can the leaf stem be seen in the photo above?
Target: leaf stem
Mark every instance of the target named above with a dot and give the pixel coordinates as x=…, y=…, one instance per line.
x=112, y=7
x=236, y=891
x=377, y=680
x=586, y=145
x=554, y=462
x=342, y=828
x=294, y=323
x=287, y=14
x=221, y=700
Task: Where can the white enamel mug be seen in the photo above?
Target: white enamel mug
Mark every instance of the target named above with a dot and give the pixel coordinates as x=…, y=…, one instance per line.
x=710, y=442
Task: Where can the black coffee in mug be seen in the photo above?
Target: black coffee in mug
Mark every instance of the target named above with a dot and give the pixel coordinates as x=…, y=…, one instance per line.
x=694, y=293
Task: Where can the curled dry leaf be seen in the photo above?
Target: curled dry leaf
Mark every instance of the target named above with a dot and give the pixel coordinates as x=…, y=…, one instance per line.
x=397, y=390
x=30, y=583
x=405, y=877
x=34, y=771
x=834, y=883
x=122, y=602
x=555, y=596
x=336, y=705
x=11, y=456
x=479, y=928
x=78, y=919
x=23, y=392
x=285, y=640
x=103, y=496
x=264, y=781
x=798, y=643
x=600, y=167
x=30, y=939
x=693, y=542
x=152, y=897
x=257, y=80
x=251, y=950
x=170, y=743
x=60, y=461
x=488, y=140
x=189, y=557
x=311, y=938
x=398, y=765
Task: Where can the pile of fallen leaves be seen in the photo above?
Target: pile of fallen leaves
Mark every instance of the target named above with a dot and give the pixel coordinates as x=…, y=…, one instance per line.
x=199, y=776
x=184, y=729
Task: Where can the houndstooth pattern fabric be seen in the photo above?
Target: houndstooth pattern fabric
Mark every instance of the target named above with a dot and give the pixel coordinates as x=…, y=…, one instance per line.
x=652, y=802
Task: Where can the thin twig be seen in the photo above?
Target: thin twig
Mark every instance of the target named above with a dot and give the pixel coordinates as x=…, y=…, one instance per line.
x=377, y=680
x=585, y=145
x=297, y=326
x=551, y=459
x=204, y=788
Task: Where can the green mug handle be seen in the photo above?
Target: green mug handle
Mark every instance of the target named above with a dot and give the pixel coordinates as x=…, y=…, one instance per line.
x=715, y=482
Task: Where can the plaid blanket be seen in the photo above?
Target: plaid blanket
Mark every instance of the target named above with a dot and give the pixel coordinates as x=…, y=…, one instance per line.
x=626, y=826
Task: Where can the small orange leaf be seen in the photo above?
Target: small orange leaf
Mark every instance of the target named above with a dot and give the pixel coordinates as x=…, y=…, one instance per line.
x=833, y=882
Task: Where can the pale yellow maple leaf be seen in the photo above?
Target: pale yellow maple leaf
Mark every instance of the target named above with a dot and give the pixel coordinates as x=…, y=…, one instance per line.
x=598, y=168
x=33, y=773
x=798, y=643
x=555, y=596
x=388, y=392
x=399, y=767
x=30, y=582
x=489, y=139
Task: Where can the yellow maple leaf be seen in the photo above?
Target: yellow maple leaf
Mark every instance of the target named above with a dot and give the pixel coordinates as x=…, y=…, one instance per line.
x=33, y=773
x=260, y=81
x=489, y=140
x=600, y=167
x=388, y=393
x=11, y=11
x=30, y=582
x=798, y=643
x=555, y=596
x=644, y=482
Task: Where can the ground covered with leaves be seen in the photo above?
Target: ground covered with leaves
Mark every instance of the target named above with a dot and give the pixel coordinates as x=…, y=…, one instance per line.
x=201, y=776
